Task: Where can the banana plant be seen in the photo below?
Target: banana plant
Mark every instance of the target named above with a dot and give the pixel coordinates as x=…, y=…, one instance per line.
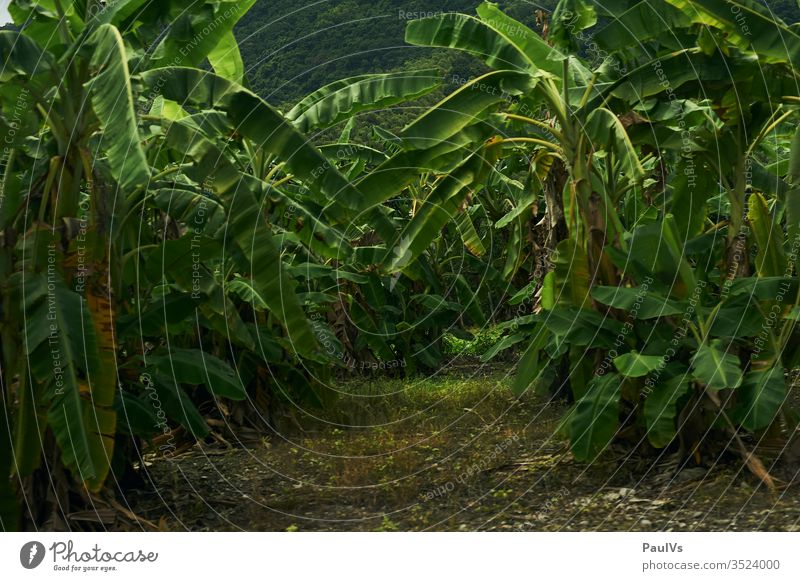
x=590, y=141
x=729, y=346
x=739, y=120
x=77, y=171
x=81, y=158
x=595, y=122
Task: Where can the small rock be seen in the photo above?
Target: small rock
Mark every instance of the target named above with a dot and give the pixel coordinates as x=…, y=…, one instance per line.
x=691, y=474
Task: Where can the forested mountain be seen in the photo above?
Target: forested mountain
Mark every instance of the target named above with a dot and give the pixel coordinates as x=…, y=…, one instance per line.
x=291, y=49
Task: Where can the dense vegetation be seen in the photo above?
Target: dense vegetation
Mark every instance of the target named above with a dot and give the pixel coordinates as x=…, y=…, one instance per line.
x=291, y=50
x=616, y=196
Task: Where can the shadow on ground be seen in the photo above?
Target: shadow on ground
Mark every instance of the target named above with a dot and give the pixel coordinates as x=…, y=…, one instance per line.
x=457, y=453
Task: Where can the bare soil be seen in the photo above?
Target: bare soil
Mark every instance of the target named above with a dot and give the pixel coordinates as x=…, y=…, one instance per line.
x=457, y=453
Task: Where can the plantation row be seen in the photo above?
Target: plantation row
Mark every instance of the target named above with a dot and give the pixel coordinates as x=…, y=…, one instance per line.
x=176, y=251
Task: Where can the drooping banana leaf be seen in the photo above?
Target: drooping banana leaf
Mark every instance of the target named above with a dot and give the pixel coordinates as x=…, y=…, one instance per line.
x=594, y=420
x=690, y=192
x=769, y=237
x=346, y=98
x=225, y=58
x=639, y=23
x=197, y=33
x=647, y=303
x=541, y=55
x=671, y=71
x=469, y=235
x=570, y=276
x=21, y=56
x=194, y=208
x=391, y=177
x=60, y=358
x=531, y=365
x=605, y=129
x=660, y=409
x=465, y=107
x=195, y=367
x=439, y=208
x=472, y=35
x=259, y=122
x=749, y=25
x=112, y=100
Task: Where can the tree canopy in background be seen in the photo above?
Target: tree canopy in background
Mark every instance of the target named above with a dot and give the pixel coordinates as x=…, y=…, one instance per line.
x=291, y=49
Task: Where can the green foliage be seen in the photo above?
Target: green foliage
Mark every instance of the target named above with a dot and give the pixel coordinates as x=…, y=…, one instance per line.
x=661, y=409
x=762, y=394
x=635, y=364
x=343, y=99
x=715, y=367
x=173, y=243
x=482, y=341
x=594, y=421
x=291, y=52
x=647, y=266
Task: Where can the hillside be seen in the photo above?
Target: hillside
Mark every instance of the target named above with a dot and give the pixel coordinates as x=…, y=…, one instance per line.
x=290, y=51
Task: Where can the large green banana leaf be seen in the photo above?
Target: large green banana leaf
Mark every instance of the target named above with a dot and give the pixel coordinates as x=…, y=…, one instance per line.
x=195, y=34
x=716, y=367
x=465, y=107
x=594, y=420
x=20, y=55
x=258, y=121
x=343, y=99
x=472, y=35
x=112, y=101
x=404, y=168
x=499, y=40
x=749, y=25
x=761, y=395
x=640, y=23
x=440, y=207
x=539, y=54
x=226, y=60
x=606, y=130
x=59, y=358
x=242, y=196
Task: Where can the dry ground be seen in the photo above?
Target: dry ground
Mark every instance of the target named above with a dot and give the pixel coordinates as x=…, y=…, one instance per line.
x=452, y=453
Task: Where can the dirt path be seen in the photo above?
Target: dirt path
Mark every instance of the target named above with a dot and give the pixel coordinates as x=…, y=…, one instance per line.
x=449, y=454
